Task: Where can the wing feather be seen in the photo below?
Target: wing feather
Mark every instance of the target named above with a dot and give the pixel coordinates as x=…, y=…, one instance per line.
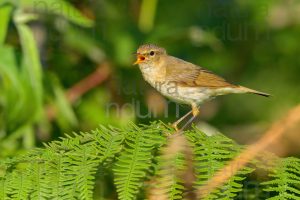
x=190, y=75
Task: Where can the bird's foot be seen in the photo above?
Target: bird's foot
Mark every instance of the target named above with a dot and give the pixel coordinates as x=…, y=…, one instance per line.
x=195, y=111
x=175, y=126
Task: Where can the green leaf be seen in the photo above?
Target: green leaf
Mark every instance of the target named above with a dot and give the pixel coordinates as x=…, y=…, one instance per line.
x=57, y=7
x=86, y=45
x=5, y=13
x=65, y=110
x=31, y=65
x=13, y=98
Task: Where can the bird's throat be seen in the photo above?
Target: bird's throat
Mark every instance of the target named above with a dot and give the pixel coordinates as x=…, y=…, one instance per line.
x=152, y=74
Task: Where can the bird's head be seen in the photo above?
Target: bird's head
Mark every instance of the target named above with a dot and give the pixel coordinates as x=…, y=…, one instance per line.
x=149, y=54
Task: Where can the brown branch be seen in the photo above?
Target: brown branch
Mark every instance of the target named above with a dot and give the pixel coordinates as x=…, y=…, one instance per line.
x=272, y=135
x=79, y=89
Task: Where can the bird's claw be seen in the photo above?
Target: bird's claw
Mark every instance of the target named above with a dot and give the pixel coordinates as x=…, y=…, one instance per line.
x=174, y=125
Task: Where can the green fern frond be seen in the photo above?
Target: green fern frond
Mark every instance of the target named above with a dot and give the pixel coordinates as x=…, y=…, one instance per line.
x=67, y=169
x=18, y=185
x=285, y=179
x=71, y=167
x=64, y=170
x=172, y=167
x=3, y=188
x=169, y=179
x=211, y=154
x=108, y=142
x=37, y=174
x=136, y=159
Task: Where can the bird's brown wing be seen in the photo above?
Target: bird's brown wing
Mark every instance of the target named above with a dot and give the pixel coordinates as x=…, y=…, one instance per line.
x=190, y=75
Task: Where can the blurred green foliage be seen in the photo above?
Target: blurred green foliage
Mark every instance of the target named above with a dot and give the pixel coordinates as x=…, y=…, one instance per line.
x=48, y=46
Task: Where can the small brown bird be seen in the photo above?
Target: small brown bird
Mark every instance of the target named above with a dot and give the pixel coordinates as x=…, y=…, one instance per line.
x=182, y=81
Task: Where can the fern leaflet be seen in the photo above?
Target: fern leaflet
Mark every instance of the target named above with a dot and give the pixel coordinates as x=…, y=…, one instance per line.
x=135, y=160
x=211, y=154
x=286, y=179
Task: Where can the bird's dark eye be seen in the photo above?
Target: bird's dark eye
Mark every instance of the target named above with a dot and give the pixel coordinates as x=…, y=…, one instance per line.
x=152, y=53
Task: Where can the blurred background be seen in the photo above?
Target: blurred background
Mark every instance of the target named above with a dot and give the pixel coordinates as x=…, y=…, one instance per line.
x=66, y=66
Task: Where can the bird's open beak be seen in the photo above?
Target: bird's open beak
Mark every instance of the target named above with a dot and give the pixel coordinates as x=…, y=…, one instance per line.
x=140, y=59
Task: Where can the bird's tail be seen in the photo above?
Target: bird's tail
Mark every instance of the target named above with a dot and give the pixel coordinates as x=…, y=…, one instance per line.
x=248, y=90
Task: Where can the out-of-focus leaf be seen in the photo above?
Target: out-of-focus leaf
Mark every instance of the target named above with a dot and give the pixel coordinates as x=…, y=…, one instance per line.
x=31, y=65
x=147, y=15
x=66, y=115
x=200, y=37
x=57, y=7
x=261, y=11
x=8, y=79
x=8, y=59
x=28, y=137
x=98, y=109
x=124, y=47
x=13, y=95
x=31, y=61
x=5, y=12
x=2, y=2
x=86, y=44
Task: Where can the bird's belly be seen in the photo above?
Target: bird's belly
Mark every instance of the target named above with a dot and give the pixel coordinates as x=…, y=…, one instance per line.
x=185, y=95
